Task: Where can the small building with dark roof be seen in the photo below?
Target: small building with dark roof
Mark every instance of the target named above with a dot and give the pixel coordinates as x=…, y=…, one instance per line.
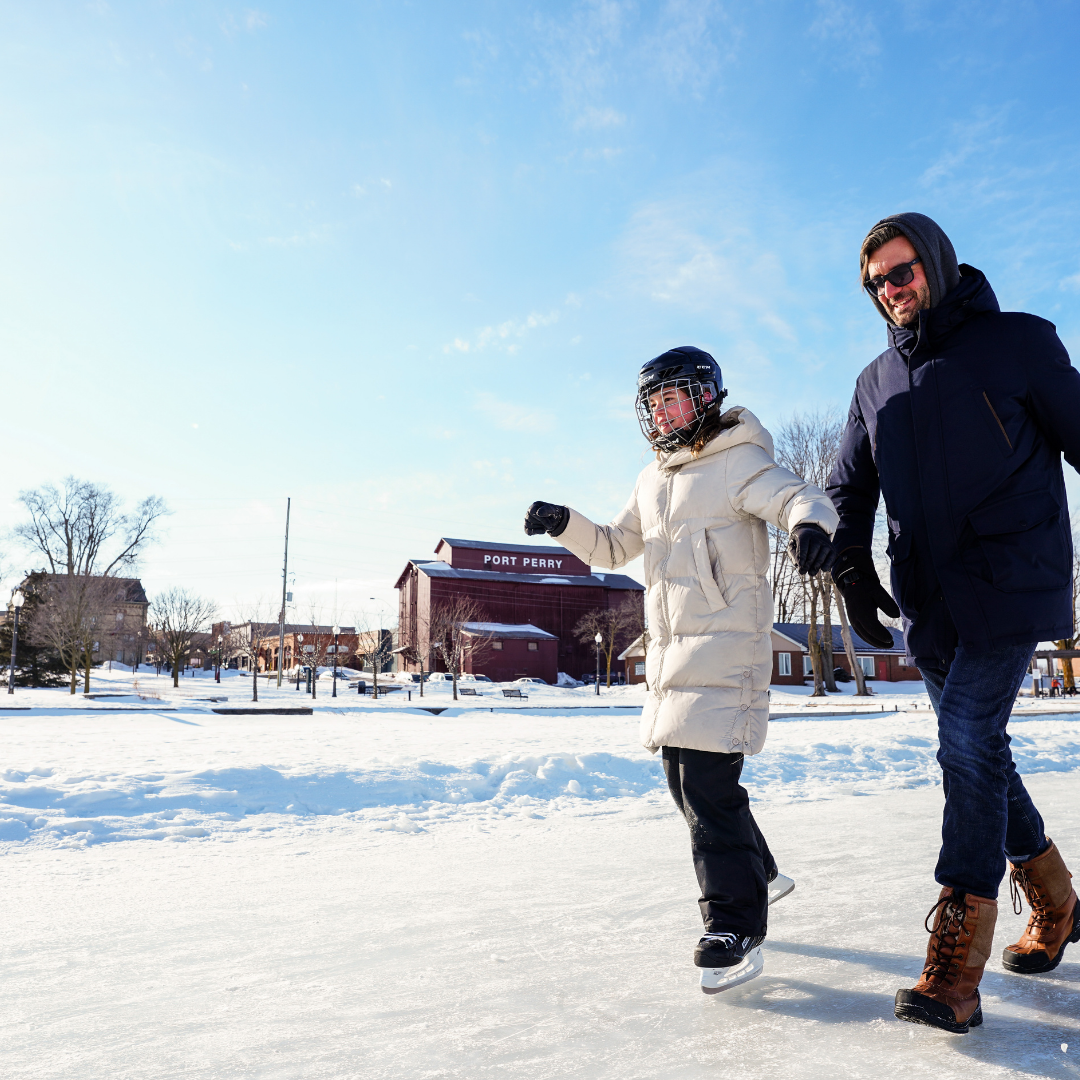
x=791, y=655
x=542, y=587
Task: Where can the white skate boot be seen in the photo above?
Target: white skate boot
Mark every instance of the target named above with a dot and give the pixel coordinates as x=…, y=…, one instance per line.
x=726, y=960
x=779, y=887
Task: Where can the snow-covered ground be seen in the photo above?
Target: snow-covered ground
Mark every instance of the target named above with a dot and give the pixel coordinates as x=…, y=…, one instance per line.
x=376, y=891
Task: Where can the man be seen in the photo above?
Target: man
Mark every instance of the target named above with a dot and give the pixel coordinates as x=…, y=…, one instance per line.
x=960, y=425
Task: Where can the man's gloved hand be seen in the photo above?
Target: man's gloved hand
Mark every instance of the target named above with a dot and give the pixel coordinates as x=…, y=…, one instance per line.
x=811, y=549
x=857, y=580
x=544, y=517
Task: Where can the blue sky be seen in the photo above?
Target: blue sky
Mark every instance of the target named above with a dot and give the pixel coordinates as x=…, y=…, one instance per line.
x=401, y=261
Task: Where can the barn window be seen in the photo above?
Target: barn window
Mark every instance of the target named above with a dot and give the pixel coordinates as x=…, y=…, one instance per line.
x=783, y=663
x=533, y=647
x=639, y=667
x=496, y=644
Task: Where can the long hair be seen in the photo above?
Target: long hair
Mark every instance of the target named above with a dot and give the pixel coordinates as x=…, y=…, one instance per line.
x=713, y=423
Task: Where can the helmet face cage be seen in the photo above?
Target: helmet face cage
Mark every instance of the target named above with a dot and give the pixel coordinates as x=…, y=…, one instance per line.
x=702, y=395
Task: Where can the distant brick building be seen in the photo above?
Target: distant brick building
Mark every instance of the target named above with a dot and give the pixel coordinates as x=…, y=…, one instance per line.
x=520, y=588
x=120, y=627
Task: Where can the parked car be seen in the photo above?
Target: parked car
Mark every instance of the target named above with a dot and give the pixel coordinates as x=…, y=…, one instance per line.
x=532, y=681
x=481, y=678
x=439, y=676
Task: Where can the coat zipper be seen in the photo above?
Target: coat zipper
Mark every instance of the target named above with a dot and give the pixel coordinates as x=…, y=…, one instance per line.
x=665, y=521
x=999, y=423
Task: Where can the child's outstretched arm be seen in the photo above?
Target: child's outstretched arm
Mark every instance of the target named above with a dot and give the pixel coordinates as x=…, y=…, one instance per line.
x=608, y=546
x=758, y=486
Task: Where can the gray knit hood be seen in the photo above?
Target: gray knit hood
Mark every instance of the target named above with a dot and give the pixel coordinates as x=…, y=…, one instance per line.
x=935, y=250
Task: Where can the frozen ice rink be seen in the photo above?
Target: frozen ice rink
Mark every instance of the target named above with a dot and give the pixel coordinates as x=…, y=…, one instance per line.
x=375, y=892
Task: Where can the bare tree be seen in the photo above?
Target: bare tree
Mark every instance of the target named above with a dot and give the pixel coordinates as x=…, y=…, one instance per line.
x=849, y=646
x=451, y=637
x=808, y=444
x=635, y=624
x=610, y=624
x=244, y=638
x=73, y=619
x=316, y=643
x=180, y=616
x=83, y=530
x=1069, y=680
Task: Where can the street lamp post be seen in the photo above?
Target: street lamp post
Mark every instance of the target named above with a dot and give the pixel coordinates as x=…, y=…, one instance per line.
x=17, y=601
x=220, y=646
x=337, y=630
x=599, y=640
x=299, y=654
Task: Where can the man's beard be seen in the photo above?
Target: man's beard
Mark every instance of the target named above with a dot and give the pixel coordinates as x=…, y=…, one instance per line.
x=911, y=312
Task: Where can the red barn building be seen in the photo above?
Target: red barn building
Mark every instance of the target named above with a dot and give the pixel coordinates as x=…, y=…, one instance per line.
x=518, y=588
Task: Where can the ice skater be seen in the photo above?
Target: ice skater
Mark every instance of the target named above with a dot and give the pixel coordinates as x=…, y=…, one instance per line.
x=699, y=513
x=960, y=424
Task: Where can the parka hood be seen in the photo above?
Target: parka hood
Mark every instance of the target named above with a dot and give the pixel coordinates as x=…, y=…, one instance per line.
x=934, y=249
x=747, y=429
x=971, y=296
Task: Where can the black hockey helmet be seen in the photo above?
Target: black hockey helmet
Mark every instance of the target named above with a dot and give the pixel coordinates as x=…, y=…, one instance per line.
x=687, y=369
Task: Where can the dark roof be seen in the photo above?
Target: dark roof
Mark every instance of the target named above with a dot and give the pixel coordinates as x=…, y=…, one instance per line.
x=603, y=581
x=800, y=632
x=485, y=546
x=132, y=588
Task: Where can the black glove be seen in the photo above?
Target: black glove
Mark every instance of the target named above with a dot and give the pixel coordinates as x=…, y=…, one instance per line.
x=546, y=517
x=811, y=549
x=857, y=580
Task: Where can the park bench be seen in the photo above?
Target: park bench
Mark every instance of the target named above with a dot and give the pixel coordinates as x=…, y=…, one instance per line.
x=515, y=693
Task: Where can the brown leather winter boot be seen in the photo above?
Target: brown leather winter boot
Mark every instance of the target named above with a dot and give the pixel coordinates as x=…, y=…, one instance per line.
x=1055, y=915
x=947, y=995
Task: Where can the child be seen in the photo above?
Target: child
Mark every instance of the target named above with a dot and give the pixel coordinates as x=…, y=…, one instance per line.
x=699, y=514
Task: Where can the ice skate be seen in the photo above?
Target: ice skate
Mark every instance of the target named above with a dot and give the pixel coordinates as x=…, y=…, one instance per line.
x=726, y=960
x=779, y=886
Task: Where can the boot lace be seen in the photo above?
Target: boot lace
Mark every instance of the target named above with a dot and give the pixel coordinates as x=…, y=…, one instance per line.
x=944, y=937
x=1020, y=886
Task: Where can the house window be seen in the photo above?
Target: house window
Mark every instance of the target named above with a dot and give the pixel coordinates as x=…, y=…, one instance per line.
x=807, y=665
x=867, y=664
x=639, y=667
x=905, y=661
x=533, y=647
x=496, y=644
x=783, y=663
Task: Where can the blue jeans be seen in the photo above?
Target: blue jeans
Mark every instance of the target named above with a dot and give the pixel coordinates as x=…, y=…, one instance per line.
x=989, y=816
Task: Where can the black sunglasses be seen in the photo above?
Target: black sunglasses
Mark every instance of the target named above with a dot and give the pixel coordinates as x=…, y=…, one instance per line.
x=897, y=276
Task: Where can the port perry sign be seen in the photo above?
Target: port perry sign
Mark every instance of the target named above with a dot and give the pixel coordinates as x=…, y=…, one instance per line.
x=526, y=560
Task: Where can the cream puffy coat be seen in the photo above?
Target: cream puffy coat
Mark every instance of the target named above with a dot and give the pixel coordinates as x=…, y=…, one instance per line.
x=701, y=523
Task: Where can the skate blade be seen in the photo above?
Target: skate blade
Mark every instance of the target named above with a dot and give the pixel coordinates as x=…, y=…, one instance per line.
x=779, y=887
x=716, y=980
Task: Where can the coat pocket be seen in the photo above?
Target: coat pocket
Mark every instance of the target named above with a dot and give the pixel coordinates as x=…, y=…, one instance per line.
x=707, y=582
x=1025, y=542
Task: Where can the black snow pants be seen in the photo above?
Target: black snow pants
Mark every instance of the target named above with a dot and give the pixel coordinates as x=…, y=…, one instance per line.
x=732, y=860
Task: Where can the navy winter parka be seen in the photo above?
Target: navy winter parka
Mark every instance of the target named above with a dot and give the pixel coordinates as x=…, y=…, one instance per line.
x=960, y=425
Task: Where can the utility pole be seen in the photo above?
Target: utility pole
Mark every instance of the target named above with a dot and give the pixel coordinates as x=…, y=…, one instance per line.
x=284, y=584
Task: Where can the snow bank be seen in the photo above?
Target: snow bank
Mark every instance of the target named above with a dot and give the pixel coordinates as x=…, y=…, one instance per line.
x=79, y=810
x=90, y=777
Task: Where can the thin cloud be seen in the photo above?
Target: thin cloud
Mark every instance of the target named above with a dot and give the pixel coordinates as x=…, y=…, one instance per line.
x=853, y=33
x=513, y=417
x=594, y=118
x=505, y=336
